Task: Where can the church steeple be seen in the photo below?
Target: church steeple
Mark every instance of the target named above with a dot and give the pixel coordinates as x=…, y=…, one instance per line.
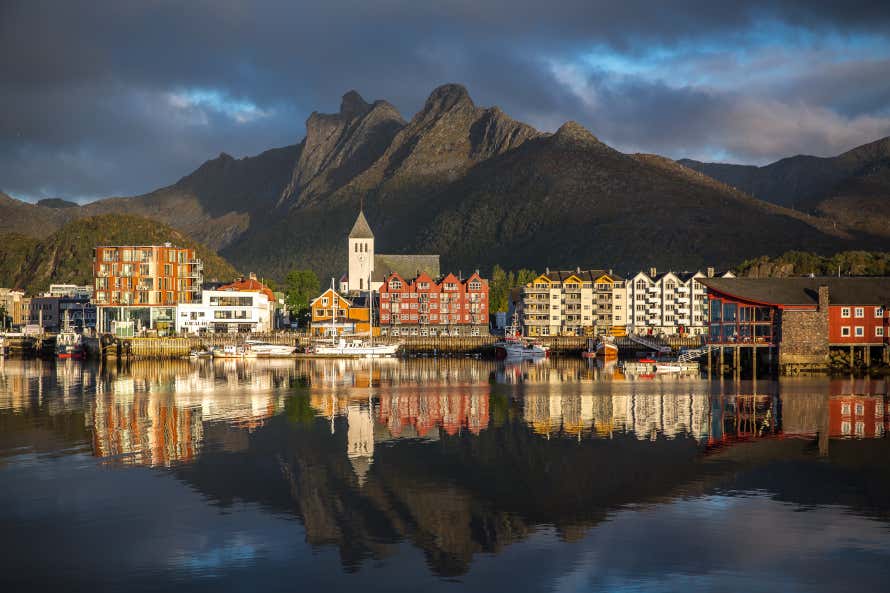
x=361, y=229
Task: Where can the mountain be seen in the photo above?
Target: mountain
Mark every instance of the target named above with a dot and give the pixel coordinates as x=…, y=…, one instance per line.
x=66, y=255
x=851, y=189
x=57, y=203
x=472, y=184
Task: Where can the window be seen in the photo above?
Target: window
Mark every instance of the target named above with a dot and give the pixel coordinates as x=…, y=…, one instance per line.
x=860, y=331
x=845, y=312
x=845, y=331
x=879, y=332
x=860, y=408
x=845, y=408
x=475, y=285
x=879, y=312
x=395, y=284
x=859, y=312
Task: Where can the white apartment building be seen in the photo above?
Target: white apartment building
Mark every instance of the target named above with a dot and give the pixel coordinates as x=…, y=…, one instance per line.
x=669, y=303
x=573, y=303
x=226, y=311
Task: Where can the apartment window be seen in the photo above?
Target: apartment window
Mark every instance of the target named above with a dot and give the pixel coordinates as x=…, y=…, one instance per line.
x=860, y=331
x=475, y=285
x=395, y=284
x=879, y=332
x=879, y=312
x=859, y=312
x=845, y=312
x=324, y=301
x=845, y=331
x=860, y=408
x=845, y=409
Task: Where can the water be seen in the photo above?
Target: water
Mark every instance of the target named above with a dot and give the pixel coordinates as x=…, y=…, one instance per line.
x=437, y=475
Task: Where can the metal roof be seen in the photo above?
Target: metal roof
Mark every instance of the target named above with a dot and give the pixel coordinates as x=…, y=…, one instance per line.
x=361, y=229
x=804, y=291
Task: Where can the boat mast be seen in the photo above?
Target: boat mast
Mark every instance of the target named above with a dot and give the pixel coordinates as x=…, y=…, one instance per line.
x=370, y=311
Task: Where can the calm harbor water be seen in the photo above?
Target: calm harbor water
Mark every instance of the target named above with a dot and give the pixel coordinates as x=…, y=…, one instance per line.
x=437, y=475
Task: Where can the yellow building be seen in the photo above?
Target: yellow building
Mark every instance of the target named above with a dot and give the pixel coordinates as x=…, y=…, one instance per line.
x=574, y=302
x=333, y=313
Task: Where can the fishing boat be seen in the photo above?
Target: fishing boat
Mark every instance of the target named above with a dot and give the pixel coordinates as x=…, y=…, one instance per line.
x=515, y=346
x=603, y=348
x=69, y=344
x=267, y=350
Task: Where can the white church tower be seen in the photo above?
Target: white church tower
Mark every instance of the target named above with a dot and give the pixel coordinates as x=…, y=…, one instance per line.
x=361, y=254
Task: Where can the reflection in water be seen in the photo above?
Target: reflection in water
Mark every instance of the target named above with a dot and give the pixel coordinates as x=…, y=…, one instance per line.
x=460, y=458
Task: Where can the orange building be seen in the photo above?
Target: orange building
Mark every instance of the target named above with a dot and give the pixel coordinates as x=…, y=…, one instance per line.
x=137, y=287
x=332, y=313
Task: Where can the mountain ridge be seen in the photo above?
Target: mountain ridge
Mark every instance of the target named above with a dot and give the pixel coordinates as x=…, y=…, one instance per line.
x=473, y=184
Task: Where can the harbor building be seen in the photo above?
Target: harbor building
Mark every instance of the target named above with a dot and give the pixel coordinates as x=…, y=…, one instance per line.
x=425, y=306
x=801, y=320
x=54, y=313
x=365, y=263
x=227, y=310
x=16, y=305
x=669, y=303
x=334, y=314
x=573, y=303
x=137, y=287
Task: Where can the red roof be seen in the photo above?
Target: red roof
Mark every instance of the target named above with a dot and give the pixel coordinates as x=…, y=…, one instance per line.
x=250, y=285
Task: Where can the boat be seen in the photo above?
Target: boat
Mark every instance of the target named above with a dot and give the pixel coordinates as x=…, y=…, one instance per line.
x=265, y=349
x=69, y=344
x=208, y=353
x=603, y=348
x=515, y=346
x=668, y=367
x=239, y=351
x=355, y=348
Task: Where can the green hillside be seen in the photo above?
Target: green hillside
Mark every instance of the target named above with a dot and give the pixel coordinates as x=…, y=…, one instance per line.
x=66, y=255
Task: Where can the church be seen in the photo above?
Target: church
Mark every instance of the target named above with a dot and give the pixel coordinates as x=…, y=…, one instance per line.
x=366, y=266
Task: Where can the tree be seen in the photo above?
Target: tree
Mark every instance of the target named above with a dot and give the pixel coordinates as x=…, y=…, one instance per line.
x=502, y=284
x=300, y=287
x=4, y=317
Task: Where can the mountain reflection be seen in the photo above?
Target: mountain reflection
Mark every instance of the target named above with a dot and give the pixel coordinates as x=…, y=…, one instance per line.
x=458, y=457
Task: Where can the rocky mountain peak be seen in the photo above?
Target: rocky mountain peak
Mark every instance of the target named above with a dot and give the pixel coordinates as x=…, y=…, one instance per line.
x=446, y=98
x=353, y=104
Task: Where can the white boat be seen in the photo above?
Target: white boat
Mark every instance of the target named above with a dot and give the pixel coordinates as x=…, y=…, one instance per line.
x=265, y=349
x=234, y=352
x=515, y=347
x=668, y=367
x=356, y=348
x=69, y=344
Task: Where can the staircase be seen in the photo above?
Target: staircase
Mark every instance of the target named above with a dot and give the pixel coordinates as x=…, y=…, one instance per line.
x=649, y=343
x=690, y=355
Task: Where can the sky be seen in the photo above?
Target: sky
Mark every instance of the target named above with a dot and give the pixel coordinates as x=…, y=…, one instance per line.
x=113, y=97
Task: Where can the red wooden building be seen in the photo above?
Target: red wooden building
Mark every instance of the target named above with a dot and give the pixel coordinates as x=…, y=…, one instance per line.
x=804, y=318
x=425, y=306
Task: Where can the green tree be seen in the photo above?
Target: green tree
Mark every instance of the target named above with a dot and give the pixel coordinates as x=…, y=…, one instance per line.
x=300, y=287
x=4, y=318
x=499, y=289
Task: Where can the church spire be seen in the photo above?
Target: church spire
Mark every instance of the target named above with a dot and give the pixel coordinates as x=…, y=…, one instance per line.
x=361, y=229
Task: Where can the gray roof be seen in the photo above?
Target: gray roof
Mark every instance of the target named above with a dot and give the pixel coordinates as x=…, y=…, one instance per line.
x=406, y=266
x=804, y=291
x=361, y=229
x=591, y=275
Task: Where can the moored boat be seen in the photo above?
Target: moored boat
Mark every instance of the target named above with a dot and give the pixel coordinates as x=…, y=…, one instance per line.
x=354, y=348
x=516, y=347
x=265, y=349
x=239, y=351
x=69, y=344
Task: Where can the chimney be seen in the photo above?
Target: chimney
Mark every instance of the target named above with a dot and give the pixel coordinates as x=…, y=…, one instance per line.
x=823, y=298
x=653, y=272
x=710, y=272
x=577, y=269
x=253, y=275
x=547, y=270
x=610, y=272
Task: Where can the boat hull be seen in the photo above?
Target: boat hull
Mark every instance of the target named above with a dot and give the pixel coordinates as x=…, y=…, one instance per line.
x=520, y=351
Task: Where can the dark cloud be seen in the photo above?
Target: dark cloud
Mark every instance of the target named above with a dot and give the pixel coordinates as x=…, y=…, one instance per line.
x=111, y=97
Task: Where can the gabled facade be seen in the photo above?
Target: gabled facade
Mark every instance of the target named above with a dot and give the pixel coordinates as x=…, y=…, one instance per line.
x=669, y=303
x=574, y=302
x=424, y=306
x=334, y=314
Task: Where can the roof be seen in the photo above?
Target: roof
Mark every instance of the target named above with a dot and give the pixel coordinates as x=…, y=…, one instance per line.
x=406, y=266
x=804, y=291
x=591, y=275
x=249, y=285
x=361, y=229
